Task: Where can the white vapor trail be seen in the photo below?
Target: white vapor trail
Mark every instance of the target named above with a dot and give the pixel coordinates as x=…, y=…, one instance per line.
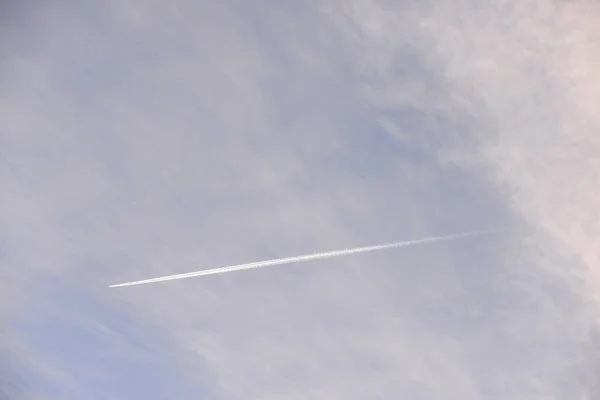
x=314, y=256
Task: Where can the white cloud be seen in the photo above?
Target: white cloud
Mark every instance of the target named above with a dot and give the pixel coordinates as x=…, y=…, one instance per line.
x=142, y=139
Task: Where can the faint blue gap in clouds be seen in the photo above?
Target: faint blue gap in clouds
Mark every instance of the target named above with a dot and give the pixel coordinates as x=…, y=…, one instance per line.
x=108, y=351
x=392, y=167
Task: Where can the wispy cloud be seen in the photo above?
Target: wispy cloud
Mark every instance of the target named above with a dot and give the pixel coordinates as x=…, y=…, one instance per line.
x=141, y=138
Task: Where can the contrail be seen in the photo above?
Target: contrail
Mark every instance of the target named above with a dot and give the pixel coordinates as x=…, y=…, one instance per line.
x=309, y=257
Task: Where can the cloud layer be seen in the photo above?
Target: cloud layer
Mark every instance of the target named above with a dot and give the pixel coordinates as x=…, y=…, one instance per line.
x=146, y=139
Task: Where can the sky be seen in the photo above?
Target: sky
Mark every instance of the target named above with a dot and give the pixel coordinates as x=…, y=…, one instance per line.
x=148, y=138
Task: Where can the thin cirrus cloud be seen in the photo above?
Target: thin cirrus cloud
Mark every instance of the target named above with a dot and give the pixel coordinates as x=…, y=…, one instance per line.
x=140, y=138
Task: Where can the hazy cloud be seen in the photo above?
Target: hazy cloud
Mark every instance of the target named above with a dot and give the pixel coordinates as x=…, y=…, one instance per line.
x=144, y=139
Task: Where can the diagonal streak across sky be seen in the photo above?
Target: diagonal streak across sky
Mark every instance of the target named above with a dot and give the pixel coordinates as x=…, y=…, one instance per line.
x=308, y=257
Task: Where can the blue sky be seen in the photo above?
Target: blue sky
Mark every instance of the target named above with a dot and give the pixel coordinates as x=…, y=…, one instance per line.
x=144, y=138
